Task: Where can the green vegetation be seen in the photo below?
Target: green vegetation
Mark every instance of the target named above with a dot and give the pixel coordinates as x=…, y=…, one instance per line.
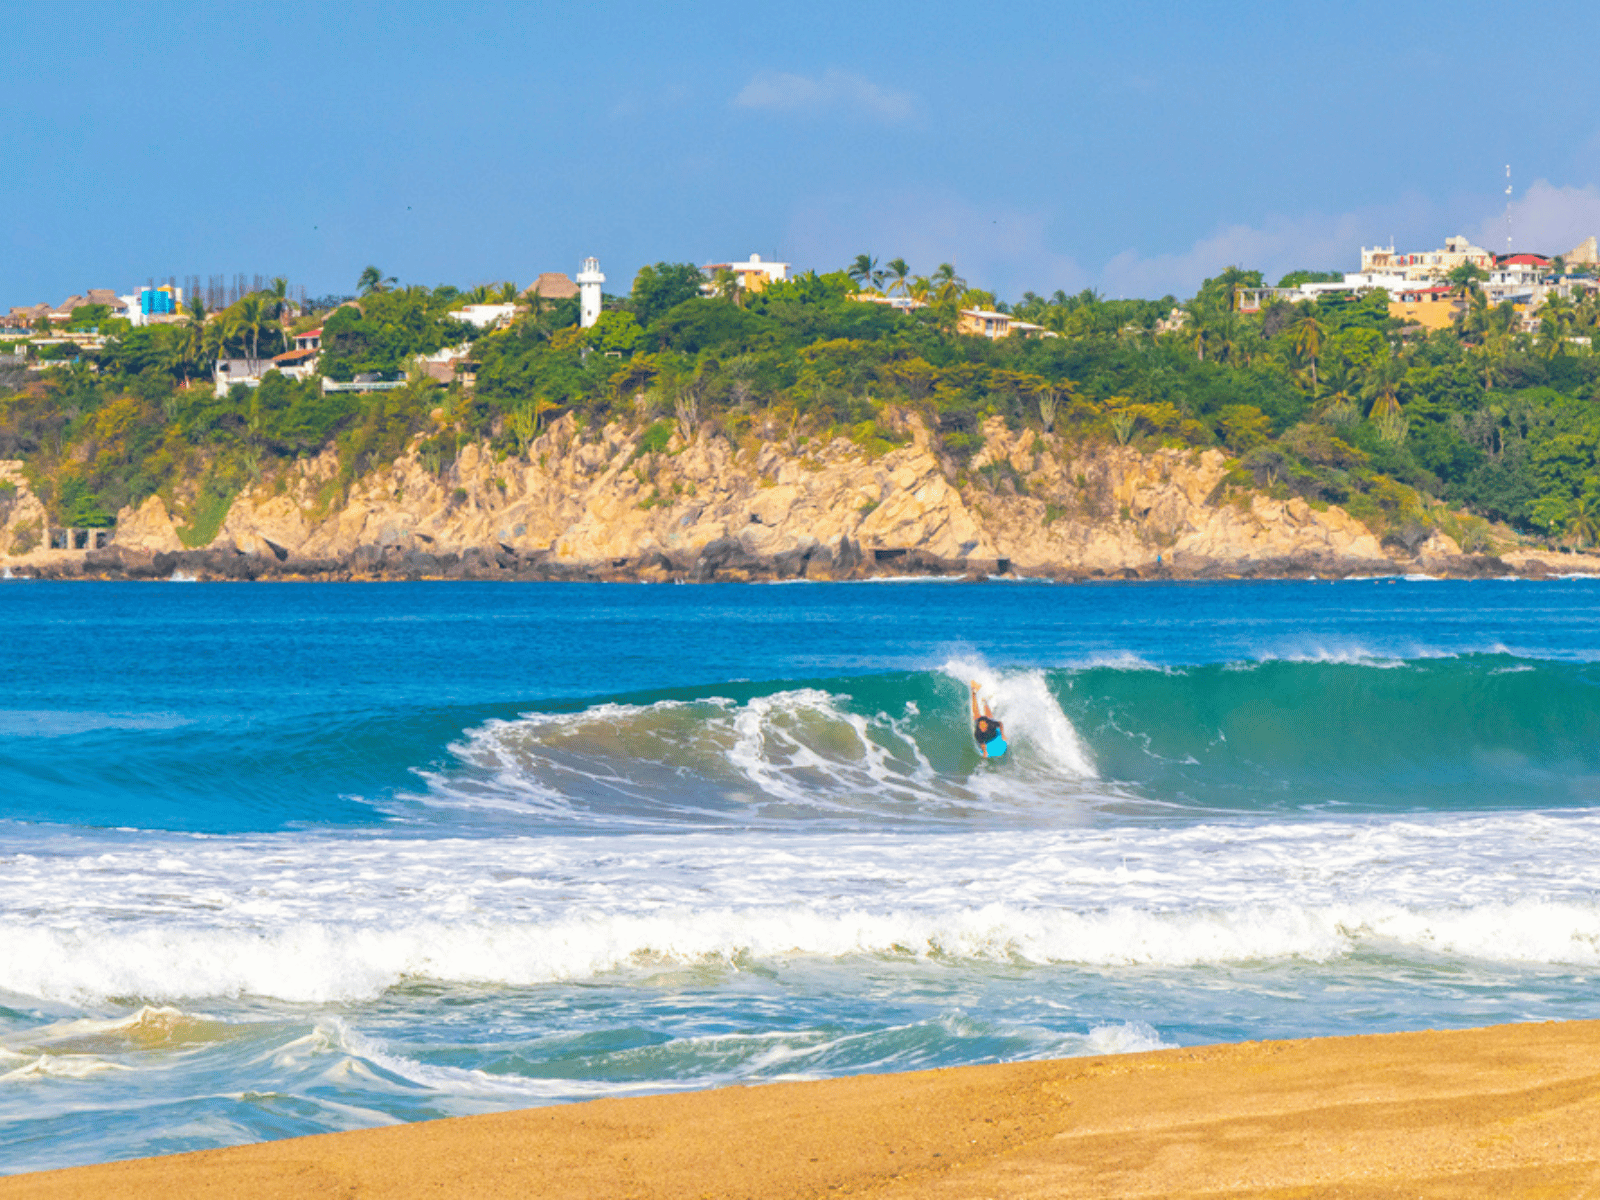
x=1331, y=401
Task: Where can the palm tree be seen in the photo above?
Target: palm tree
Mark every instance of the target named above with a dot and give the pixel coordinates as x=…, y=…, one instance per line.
x=248, y=317
x=194, y=335
x=1381, y=387
x=537, y=322
x=171, y=344
x=214, y=339
x=865, y=271
x=278, y=301
x=726, y=284
x=374, y=280
x=1231, y=280
x=508, y=293
x=1554, y=322
x=1473, y=320
x=900, y=271
x=946, y=277
x=1464, y=280
x=1584, y=524
x=1226, y=334
x=1308, y=333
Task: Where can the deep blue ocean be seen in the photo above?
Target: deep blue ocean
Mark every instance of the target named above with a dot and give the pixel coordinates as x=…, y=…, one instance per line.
x=279, y=859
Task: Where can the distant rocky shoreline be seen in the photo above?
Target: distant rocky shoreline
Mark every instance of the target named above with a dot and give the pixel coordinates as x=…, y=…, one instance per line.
x=726, y=561
x=606, y=505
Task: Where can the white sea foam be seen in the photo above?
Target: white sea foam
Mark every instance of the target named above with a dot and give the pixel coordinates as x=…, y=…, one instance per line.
x=324, y=920
x=323, y=963
x=18, y=1069
x=1033, y=719
x=912, y=579
x=1122, y=660
x=1129, y=1037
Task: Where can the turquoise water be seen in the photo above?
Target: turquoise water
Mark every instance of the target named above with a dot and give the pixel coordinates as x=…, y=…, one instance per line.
x=281, y=859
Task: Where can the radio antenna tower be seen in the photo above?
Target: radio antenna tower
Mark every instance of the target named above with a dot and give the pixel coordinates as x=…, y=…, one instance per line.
x=1508, y=208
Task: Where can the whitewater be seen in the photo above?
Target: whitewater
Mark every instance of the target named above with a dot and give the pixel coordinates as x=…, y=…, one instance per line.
x=284, y=859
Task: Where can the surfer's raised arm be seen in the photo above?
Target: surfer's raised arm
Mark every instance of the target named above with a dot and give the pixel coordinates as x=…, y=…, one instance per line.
x=986, y=731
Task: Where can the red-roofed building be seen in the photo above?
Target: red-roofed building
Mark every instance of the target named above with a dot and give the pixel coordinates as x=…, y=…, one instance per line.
x=297, y=364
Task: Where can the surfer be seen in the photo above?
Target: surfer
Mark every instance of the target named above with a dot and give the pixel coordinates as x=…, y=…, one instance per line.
x=986, y=731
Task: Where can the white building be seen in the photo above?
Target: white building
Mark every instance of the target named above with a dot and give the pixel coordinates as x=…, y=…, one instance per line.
x=1428, y=264
x=753, y=275
x=485, y=316
x=589, y=281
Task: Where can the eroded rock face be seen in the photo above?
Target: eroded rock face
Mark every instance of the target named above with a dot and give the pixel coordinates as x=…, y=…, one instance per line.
x=22, y=514
x=586, y=504
x=1112, y=509
x=148, y=527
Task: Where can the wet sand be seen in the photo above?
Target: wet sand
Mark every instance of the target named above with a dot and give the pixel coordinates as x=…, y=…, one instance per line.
x=1509, y=1111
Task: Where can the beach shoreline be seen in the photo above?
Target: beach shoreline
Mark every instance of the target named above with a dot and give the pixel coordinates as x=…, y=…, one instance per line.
x=1509, y=1110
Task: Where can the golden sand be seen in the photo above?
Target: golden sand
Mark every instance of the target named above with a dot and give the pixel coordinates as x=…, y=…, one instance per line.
x=1510, y=1111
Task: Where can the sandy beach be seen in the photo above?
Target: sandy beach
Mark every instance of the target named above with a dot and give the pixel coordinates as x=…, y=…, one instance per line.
x=1506, y=1111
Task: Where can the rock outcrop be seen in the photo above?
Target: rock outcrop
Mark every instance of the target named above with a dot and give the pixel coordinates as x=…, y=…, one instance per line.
x=22, y=514
x=589, y=504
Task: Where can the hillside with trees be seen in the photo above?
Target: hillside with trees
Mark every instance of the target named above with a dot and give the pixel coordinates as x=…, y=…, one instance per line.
x=1469, y=428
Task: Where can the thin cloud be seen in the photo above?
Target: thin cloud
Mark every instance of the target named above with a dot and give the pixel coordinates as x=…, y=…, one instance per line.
x=777, y=91
x=1546, y=219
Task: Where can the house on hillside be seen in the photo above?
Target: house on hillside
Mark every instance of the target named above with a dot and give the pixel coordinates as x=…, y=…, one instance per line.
x=296, y=364
x=898, y=303
x=231, y=371
x=995, y=325
x=753, y=274
x=1429, y=264
x=1432, y=306
x=450, y=364
x=62, y=313
x=27, y=316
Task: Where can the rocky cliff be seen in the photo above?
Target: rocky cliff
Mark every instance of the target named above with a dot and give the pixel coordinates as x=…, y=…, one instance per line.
x=595, y=504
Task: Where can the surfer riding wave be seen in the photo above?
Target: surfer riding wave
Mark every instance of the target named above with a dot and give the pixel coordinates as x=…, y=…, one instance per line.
x=986, y=731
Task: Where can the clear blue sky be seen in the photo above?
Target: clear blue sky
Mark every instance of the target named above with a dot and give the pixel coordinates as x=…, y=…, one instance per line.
x=1131, y=147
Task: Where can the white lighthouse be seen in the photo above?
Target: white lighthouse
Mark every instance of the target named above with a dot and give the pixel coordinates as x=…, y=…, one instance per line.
x=589, y=281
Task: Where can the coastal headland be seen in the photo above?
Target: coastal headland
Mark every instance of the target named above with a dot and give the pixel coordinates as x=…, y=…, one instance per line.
x=609, y=503
x=1506, y=1111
